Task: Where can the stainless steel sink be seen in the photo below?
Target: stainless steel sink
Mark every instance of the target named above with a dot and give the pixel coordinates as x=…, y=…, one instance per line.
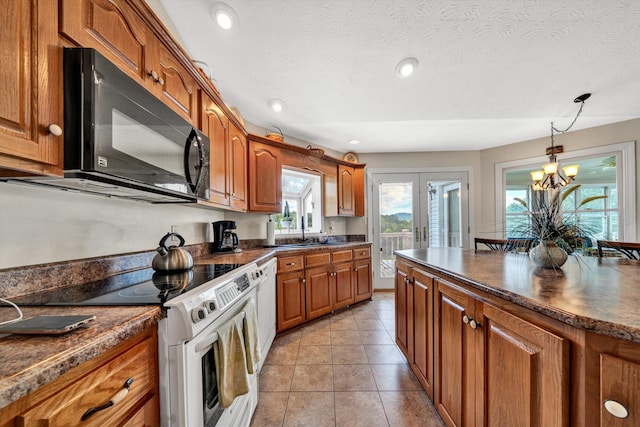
x=307, y=244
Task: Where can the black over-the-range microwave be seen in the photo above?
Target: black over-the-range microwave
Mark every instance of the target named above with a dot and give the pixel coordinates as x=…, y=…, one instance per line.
x=120, y=140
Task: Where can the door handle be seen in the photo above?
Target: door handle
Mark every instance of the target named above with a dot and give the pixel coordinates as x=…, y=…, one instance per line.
x=417, y=234
x=424, y=234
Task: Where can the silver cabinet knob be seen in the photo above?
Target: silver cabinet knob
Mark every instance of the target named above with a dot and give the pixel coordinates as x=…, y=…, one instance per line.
x=466, y=319
x=153, y=75
x=473, y=324
x=54, y=129
x=616, y=409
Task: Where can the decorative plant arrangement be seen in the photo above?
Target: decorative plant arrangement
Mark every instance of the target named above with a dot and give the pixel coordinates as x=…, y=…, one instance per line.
x=286, y=220
x=555, y=233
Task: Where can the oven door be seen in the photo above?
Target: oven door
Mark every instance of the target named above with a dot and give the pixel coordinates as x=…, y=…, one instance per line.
x=193, y=386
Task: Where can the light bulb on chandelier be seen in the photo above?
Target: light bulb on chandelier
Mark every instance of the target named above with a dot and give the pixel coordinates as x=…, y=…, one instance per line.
x=549, y=176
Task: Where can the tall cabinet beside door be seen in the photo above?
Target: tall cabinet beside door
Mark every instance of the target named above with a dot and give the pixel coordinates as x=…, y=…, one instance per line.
x=31, y=120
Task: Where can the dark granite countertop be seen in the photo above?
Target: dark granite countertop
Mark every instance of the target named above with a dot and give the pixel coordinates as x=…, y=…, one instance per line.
x=29, y=362
x=601, y=295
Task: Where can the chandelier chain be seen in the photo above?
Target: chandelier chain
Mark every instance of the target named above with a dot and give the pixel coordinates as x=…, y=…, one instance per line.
x=553, y=128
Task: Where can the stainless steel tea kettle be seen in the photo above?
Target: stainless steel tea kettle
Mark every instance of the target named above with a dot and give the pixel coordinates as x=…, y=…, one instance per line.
x=172, y=258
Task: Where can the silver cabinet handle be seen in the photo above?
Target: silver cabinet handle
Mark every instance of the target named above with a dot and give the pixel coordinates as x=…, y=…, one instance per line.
x=54, y=129
x=112, y=402
x=291, y=264
x=616, y=409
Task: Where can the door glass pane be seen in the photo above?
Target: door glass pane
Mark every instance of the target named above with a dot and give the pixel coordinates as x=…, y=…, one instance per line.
x=396, y=222
x=444, y=222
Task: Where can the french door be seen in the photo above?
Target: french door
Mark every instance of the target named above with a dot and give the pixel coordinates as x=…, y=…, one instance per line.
x=414, y=211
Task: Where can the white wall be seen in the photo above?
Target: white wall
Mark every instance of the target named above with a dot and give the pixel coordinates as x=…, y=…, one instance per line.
x=42, y=225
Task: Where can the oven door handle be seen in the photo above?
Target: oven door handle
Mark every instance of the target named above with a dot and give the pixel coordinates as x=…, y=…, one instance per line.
x=206, y=342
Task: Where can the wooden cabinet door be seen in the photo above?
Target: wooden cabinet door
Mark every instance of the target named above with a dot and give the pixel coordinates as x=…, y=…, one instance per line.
x=319, y=291
x=114, y=29
x=215, y=124
x=238, y=151
x=345, y=190
x=173, y=84
x=358, y=192
x=265, y=178
x=454, y=370
x=362, y=279
x=290, y=294
x=523, y=372
x=620, y=390
x=404, y=310
x=343, y=285
x=31, y=81
x=423, y=329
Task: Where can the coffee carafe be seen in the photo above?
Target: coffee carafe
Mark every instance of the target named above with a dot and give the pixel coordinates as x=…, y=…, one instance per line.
x=224, y=237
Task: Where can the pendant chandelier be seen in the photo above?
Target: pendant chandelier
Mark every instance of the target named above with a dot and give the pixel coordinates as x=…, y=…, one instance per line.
x=550, y=176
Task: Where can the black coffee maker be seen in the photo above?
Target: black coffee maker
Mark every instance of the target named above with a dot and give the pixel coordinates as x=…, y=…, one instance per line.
x=224, y=237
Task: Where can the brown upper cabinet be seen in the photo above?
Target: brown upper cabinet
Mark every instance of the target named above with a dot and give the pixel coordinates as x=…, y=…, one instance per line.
x=227, y=160
x=117, y=31
x=265, y=177
x=350, y=190
x=31, y=112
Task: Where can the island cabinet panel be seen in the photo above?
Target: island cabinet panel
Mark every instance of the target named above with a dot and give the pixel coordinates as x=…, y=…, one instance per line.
x=422, y=363
x=404, y=309
x=31, y=82
x=495, y=369
x=362, y=278
x=613, y=375
x=455, y=356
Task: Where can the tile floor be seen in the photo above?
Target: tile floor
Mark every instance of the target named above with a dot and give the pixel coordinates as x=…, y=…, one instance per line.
x=342, y=370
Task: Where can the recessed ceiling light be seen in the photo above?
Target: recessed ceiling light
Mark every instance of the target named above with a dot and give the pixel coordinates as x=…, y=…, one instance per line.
x=354, y=141
x=406, y=67
x=224, y=15
x=276, y=105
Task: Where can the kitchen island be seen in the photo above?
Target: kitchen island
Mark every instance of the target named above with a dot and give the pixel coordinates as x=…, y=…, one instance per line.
x=496, y=341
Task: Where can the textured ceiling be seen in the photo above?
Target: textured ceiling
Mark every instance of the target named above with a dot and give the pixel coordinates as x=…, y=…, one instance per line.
x=491, y=72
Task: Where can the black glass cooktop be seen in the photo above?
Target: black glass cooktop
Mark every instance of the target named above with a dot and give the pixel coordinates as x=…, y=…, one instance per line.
x=140, y=287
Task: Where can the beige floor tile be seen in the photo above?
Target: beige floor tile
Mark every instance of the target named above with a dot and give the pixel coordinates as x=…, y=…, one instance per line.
x=282, y=355
x=276, y=377
x=386, y=314
x=389, y=324
x=353, y=378
x=316, y=337
x=376, y=337
x=310, y=409
x=312, y=378
x=348, y=324
x=271, y=409
x=395, y=378
x=359, y=409
x=365, y=314
x=383, y=354
x=370, y=325
x=345, y=337
x=323, y=324
x=409, y=408
x=314, y=355
x=346, y=314
x=349, y=355
x=288, y=338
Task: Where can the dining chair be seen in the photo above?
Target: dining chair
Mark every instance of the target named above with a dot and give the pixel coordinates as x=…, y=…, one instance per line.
x=504, y=245
x=629, y=249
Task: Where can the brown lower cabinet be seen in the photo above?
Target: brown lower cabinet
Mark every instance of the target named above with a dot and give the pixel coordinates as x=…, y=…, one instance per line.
x=480, y=364
x=63, y=401
x=315, y=284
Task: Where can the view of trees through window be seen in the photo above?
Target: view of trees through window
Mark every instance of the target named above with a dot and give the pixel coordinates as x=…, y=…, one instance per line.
x=301, y=198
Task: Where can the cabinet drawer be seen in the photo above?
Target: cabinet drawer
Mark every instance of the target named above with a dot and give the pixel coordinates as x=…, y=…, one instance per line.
x=339, y=256
x=362, y=253
x=321, y=258
x=98, y=387
x=290, y=263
